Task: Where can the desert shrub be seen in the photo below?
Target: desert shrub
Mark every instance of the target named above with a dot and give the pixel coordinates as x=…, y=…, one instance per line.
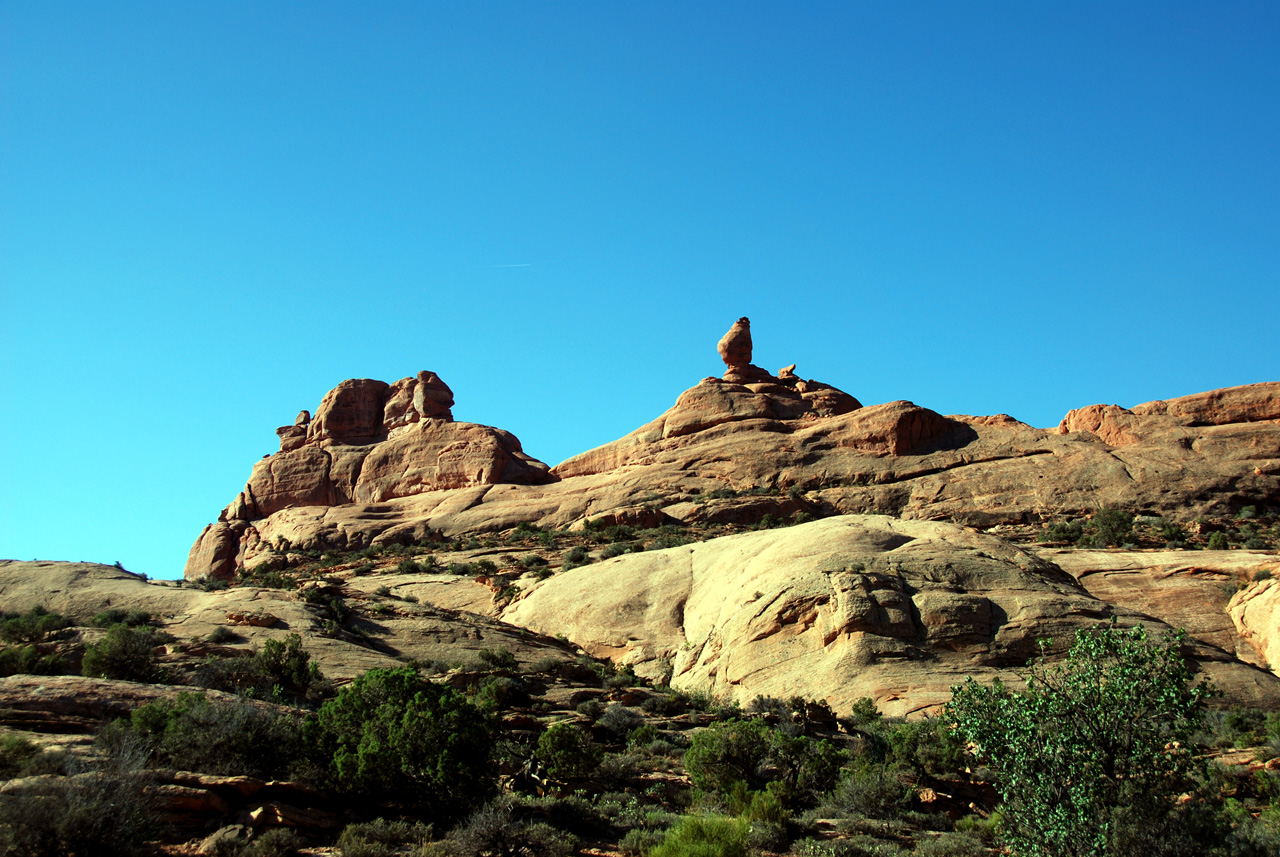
x=485, y=566
x=461, y=569
x=591, y=709
x=230, y=737
x=752, y=753
x=37, y=625
x=102, y=812
x=568, y=751
x=640, y=841
x=125, y=653
x=1111, y=527
x=16, y=753
x=615, y=549
x=381, y=838
x=120, y=616
x=279, y=671
x=642, y=735
x=928, y=745
x=499, y=692
x=500, y=658
x=496, y=831
x=208, y=584
x=393, y=737
x=870, y=790
x=1065, y=531
x=276, y=842
x=407, y=566
x=221, y=635
x=951, y=845
x=1218, y=542
x=620, y=720
x=705, y=836
x=532, y=561
x=1114, y=713
x=575, y=557
x=28, y=660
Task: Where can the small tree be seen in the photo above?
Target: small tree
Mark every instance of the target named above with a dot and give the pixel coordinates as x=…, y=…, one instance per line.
x=1094, y=743
x=392, y=736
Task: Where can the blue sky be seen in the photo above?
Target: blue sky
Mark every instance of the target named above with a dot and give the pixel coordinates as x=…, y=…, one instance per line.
x=211, y=213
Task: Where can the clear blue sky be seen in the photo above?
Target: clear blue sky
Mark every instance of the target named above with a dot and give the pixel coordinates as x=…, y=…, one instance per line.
x=211, y=213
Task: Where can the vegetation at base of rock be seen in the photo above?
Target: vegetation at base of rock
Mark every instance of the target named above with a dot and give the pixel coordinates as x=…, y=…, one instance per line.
x=753, y=754
x=1094, y=749
x=127, y=653
x=281, y=671
x=37, y=625
x=192, y=733
x=568, y=752
x=393, y=737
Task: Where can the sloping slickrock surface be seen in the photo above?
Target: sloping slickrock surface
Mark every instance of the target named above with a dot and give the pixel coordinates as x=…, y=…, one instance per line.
x=838, y=609
x=395, y=632
x=1183, y=589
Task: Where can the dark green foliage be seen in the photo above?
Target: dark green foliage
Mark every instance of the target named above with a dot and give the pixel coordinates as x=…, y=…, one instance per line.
x=1111, y=527
x=750, y=752
x=125, y=653
x=29, y=660
x=1115, y=716
x=498, y=692
x=120, y=616
x=280, y=671
x=37, y=625
x=1218, y=542
x=499, y=658
x=575, y=557
x=872, y=790
x=222, y=635
x=393, y=737
x=15, y=754
x=568, y=751
x=193, y=733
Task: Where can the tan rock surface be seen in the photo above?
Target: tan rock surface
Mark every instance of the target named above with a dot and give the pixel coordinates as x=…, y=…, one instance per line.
x=1183, y=589
x=1256, y=613
x=837, y=609
x=397, y=630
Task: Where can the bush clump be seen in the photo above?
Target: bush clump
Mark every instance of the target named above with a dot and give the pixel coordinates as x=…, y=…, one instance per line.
x=126, y=653
x=568, y=752
x=392, y=737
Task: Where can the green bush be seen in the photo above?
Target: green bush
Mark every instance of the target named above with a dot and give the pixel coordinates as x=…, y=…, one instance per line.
x=120, y=616
x=568, y=752
x=280, y=671
x=1115, y=716
x=752, y=753
x=870, y=790
x=125, y=653
x=233, y=738
x=500, y=658
x=28, y=660
x=1111, y=527
x=37, y=625
x=709, y=836
x=393, y=737
x=1218, y=542
x=16, y=753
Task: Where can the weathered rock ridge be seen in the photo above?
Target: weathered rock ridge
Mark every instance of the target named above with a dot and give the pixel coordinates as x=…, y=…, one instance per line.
x=369, y=442
x=385, y=463
x=839, y=609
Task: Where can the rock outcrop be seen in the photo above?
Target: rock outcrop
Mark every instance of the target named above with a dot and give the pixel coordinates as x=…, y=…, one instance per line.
x=838, y=609
x=1256, y=613
x=369, y=442
x=783, y=445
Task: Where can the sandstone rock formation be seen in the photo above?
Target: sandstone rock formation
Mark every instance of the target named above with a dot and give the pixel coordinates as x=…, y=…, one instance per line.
x=1256, y=613
x=1206, y=454
x=369, y=442
x=836, y=609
